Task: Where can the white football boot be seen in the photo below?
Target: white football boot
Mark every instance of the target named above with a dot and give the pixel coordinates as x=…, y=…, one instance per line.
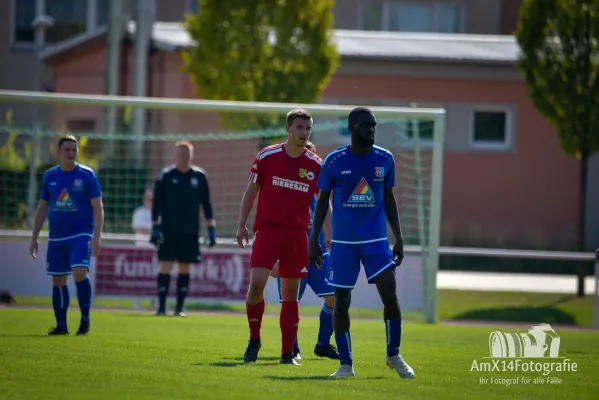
x=344, y=371
x=400, y=366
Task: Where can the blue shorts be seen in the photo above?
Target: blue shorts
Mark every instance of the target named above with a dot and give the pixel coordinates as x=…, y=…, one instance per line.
x=64, y=255
x=344, y=267
x=316, y=280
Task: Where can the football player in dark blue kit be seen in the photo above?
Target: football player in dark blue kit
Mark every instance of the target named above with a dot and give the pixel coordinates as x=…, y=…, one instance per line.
x=361, y=177
x=72, y=199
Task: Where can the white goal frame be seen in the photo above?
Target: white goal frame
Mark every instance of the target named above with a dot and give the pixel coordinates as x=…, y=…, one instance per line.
x=431, y=253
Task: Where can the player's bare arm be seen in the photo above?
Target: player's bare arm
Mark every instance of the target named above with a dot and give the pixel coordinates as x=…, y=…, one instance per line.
x=38, y=221
x=326, y=228
x=320, y=213
x=247, y=203
x=98, y=211
x=392, y=215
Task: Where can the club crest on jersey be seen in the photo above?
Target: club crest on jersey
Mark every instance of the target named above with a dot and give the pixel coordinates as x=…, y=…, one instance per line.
x=379, y=171
x=77, y=184
x=303, y=172
x=362, y=193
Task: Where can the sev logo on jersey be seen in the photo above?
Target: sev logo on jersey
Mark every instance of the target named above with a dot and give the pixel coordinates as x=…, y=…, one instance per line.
x=290, y=184
x=362, y=196
x=64, y=201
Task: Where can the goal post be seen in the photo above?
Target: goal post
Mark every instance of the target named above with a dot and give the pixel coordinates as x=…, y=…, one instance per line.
x=226, y=137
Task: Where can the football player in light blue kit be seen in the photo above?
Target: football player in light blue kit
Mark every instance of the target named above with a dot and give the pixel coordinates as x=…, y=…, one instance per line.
x=361, y=177
x=72, y=199
x=317, y=281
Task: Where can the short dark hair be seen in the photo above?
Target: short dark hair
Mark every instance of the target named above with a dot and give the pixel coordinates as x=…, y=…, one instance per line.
x=355, y=113
x=310, y=146
x=297, y=113
x=67, y=138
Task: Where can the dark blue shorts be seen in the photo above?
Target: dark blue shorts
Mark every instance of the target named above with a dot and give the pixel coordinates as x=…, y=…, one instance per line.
x=65, y=254
x=344, y=268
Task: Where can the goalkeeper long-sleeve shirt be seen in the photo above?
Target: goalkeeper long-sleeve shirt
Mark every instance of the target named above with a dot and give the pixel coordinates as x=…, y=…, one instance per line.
x=178, y=197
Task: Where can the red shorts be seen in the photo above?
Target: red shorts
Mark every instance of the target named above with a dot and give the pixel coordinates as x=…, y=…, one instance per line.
x=287, y=245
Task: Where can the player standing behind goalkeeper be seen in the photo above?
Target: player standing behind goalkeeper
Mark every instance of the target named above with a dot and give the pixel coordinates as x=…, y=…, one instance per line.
x=72, y=199
x=285, y=175
x=179, y=192
x=361, y=177
x=317, y=281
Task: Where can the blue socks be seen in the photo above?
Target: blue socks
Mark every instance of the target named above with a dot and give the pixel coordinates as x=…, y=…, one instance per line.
x=393, y=331
x=326, y=326
x=343, y=341
x=60, y=303
x=84, y=296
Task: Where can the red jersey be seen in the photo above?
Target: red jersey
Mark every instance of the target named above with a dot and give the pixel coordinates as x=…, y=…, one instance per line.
x=287, y=186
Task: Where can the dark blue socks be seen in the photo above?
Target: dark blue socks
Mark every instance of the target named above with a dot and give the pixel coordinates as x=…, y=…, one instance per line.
x=60, y=302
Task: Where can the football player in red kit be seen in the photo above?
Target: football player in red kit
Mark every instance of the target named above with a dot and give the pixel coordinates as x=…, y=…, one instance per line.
x=284, y=177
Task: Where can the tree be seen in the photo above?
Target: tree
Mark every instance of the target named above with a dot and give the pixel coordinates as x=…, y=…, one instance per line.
x=261, y=50
x=560, y=62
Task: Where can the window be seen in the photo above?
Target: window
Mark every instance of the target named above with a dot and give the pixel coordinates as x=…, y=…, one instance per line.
x=81, y=125
x=71, y=17
x=371, y=17
x=413, y=17
x=192, y=6
x=24, y=13
x=102, y=7
x=425, y=129
x=491, y=128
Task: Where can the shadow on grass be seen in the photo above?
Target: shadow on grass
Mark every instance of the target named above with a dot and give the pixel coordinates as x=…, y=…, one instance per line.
x=541, y=314
x=32, y=335
x=317, y=378
x=233, y=364
x=211, y=307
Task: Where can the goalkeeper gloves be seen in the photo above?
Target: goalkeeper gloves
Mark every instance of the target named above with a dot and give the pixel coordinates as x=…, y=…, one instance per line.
x=156, y=238
x=211, y=236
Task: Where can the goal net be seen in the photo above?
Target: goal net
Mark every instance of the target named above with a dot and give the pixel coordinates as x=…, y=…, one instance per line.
x=127, y=141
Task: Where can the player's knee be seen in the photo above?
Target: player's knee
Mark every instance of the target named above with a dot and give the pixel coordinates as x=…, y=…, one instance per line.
x=59, y=280
x=184, y=268
x=258, y=279
x=290, y=289
x=329, y=301
x=79, y=274
x=165, y=267
x=342, y=300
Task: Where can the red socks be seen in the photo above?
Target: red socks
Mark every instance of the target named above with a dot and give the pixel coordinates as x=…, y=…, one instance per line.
x=255, y=313
x=289, y=322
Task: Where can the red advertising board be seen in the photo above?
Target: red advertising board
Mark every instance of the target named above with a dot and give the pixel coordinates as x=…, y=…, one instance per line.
x=130, y=271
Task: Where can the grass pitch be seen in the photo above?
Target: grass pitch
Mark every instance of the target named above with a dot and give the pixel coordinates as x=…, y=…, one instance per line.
x=139, y=356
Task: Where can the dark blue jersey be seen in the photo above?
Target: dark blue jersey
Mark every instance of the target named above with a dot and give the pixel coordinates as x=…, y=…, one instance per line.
x=69, y=195
x=358, y=184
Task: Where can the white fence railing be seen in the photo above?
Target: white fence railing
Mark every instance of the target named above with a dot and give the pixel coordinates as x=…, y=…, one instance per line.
x=121, y=239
